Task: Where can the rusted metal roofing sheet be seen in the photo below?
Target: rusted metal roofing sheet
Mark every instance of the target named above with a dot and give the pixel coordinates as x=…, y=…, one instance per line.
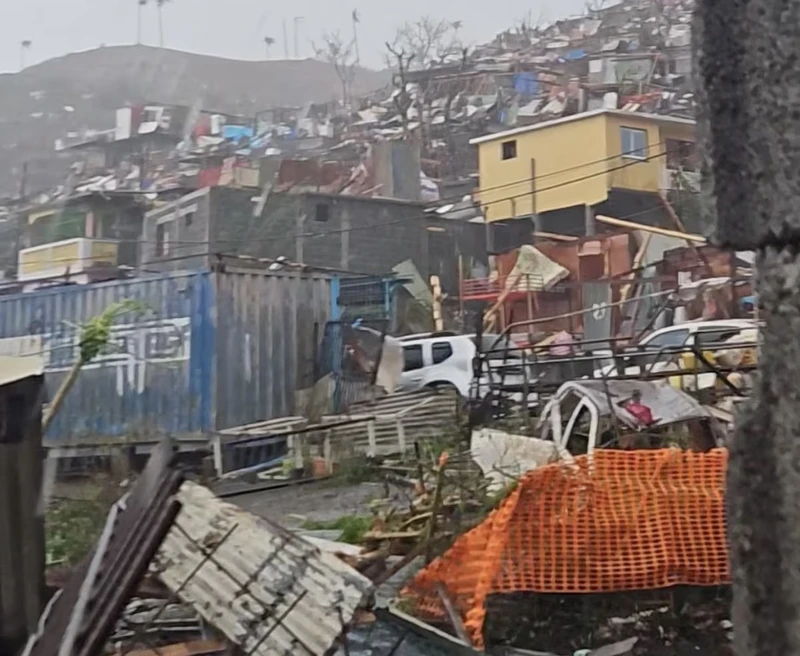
x=193, y=648
x=268, y=590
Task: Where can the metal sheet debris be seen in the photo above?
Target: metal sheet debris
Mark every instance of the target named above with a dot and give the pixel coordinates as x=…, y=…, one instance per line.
x=193, y=648
x=504, y=458
x=268, y=590
x=79, y=619
x=668, y=405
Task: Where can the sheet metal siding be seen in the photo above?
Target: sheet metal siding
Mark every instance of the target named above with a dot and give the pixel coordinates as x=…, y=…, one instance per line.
x=22, y=542
x=154, y=382
x=267, y=328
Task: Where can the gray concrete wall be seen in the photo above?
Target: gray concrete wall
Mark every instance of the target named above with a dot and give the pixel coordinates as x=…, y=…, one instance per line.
x=364, y=235
x=358, y=234
x=186, y=221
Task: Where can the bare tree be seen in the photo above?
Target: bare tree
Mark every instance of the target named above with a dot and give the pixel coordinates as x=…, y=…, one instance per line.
x=429, y=40
x=401, y=98
x=356, y=20
x=342, y=56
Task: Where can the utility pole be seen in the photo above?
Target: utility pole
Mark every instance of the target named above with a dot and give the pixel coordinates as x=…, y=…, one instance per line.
x=285, y=40
x=160, y=6
x=140, y=4
x=749, y=106
x=356, y=21
x=297, y=21
x=24, y=46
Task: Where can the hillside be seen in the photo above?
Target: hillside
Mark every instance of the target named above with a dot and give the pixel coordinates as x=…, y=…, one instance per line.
x=82, y=90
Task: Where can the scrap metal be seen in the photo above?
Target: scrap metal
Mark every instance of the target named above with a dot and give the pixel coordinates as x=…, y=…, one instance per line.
x=80, y=618
x=269, y=591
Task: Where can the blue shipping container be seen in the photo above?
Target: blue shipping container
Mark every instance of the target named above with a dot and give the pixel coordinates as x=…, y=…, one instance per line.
x=210, y=351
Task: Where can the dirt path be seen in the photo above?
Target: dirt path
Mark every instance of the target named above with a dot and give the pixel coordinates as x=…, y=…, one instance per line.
x=320, y=502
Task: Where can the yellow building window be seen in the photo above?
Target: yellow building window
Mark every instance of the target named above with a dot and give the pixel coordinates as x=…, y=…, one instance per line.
x=634, y=143
x=509, y=149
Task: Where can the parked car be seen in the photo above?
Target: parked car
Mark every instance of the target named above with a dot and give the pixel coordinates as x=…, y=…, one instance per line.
x=444, y=360
x=656, y=352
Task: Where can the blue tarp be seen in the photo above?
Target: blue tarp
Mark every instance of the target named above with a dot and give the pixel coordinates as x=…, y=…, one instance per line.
x=237, y=132
x=572, y=55
x=526, y=84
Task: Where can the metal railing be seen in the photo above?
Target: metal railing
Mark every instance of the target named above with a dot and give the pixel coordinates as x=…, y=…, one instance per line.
x=490, y=288
x=525, y=376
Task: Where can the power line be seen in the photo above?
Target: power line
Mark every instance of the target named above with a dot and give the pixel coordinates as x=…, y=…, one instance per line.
x=208, y=253
x=573, y=181
x=10, y=283
x=546, y=175
x=181, y=244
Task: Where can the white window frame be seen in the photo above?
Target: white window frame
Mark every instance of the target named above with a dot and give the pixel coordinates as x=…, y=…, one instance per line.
x=164, y=222
x=635, y=153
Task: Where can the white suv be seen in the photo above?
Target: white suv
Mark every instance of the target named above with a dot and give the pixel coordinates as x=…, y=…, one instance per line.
x=444, y=360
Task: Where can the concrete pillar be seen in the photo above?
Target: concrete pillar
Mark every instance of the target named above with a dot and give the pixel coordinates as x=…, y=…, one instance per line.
x=345, y=238
x=589, y=222
x=300, y=222
x=749, y=100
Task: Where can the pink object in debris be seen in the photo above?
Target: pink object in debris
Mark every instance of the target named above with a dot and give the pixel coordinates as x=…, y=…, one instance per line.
x=562, y=344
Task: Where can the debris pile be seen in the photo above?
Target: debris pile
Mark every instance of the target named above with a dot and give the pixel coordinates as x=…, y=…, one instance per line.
x=633, y=55
x=620, y=520
x=232, y=579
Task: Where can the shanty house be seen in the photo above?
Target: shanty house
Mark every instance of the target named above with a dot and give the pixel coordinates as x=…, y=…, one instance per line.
x=561, y=173
x=342, y=233
x=80, y=239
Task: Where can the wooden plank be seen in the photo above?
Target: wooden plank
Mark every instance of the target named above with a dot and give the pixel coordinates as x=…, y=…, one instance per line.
x=630, y=225
x=637, y=261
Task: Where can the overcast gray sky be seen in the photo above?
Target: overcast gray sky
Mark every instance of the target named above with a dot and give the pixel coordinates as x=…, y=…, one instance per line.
x=236, y=28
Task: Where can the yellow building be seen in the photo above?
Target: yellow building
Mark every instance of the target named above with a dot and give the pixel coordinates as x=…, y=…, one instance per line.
x=578, y=160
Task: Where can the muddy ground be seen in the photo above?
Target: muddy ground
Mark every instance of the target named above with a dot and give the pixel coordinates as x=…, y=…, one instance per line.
x=318, y=502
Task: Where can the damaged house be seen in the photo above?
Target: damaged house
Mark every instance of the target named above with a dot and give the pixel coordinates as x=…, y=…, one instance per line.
x=343, y=233
x=558, y=175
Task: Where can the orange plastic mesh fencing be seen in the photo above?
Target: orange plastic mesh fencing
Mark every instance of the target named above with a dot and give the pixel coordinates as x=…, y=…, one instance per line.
x=620, y=520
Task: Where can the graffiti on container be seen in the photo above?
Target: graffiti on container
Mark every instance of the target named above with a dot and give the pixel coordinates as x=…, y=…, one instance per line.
x=131, y=349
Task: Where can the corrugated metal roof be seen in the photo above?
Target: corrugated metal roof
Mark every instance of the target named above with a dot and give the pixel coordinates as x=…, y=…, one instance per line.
x=422, y=413
x=268, y=590
x=396, y=420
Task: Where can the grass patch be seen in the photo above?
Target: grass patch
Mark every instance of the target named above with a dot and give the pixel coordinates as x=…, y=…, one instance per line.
x=353, y=527
x=71, y=528
x=355, y=470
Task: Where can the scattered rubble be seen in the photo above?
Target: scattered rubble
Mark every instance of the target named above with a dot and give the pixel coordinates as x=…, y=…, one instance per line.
x=632, y=55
